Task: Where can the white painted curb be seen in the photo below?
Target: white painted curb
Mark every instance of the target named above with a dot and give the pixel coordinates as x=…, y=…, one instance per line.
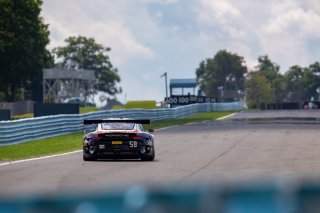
x=227, y=116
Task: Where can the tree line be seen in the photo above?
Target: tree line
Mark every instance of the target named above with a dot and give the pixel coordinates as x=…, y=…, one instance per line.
x=261, y=85
x=23, y=54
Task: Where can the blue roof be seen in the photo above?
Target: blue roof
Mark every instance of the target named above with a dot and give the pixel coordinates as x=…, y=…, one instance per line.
x=184, y=82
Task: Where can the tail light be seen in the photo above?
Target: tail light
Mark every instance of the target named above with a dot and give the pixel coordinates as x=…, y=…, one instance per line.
x=138, y=138
x=94, y=137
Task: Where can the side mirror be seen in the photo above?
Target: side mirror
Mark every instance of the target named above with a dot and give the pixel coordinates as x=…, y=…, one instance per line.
x=150, y=130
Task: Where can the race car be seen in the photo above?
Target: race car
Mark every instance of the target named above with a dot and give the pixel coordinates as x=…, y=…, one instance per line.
x=121, y=138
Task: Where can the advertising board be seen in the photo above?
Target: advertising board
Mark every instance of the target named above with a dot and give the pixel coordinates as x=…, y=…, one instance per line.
x=188, y=99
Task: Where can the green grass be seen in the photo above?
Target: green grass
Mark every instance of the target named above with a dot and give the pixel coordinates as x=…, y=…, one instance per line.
x=71, y=142
x=147, y=104
x=27, y=115
x=42, y=147
x=141, y=104
x=117, y=107
x=88, y=109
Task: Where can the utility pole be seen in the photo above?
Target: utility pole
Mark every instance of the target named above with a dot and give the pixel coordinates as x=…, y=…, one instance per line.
x=166, y=82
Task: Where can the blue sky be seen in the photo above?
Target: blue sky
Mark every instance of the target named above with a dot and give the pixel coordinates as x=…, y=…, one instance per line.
x=149, y=37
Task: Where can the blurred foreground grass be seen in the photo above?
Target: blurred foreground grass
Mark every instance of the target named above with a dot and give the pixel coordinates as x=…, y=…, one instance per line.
x=72, y=142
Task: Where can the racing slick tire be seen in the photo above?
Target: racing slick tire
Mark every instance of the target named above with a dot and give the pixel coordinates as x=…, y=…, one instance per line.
x=88, y=158
x=149, y=157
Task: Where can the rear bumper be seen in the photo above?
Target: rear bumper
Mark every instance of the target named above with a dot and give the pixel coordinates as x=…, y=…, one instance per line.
x=114, y=153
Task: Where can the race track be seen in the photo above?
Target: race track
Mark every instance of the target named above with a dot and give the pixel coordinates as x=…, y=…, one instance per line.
x=196, y=153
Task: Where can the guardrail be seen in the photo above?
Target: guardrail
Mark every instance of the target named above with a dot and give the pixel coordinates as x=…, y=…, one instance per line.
x=18, y=131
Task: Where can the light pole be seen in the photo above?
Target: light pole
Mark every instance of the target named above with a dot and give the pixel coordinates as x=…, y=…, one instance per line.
x=166, y=82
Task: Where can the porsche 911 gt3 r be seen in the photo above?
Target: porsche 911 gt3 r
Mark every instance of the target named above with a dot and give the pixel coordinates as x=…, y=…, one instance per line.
x=118, y=139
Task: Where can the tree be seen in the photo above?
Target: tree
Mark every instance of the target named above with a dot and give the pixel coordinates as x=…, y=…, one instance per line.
x=279, y=88
x=302, y=83
x=212, y=73
x=259, y=90
x=267, y=68
x=295, y=87
x=23, y=53
x=84, y=53
x=312, y=80
x=271, y=71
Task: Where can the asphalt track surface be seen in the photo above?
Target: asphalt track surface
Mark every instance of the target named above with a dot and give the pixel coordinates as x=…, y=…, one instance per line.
x=201, y=153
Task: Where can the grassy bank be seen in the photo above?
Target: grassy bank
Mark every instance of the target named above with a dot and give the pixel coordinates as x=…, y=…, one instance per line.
x=147, y=104
x=71, y=142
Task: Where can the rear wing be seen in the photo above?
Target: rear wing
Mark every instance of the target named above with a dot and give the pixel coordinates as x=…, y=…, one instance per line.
x=136, y=121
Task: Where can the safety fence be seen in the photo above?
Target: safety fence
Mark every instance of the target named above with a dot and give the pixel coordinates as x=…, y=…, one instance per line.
x=18, y=131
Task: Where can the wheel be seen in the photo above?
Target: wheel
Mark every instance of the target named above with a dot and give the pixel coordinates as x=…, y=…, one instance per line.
x=149, y=157
x=88, y=158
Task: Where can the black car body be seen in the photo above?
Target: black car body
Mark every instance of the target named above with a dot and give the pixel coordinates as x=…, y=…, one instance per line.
x=118, y=139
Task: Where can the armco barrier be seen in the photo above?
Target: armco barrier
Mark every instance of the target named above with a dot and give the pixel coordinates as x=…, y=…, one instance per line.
x=18, y=131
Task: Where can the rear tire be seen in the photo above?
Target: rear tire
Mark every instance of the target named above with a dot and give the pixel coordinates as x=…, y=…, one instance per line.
x=149, y=157
x=88, y=158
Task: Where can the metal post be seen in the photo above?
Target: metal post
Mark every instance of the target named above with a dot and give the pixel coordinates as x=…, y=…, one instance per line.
x=166, y=82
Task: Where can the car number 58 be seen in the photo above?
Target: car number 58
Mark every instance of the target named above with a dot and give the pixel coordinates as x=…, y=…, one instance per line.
x=133, y=144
